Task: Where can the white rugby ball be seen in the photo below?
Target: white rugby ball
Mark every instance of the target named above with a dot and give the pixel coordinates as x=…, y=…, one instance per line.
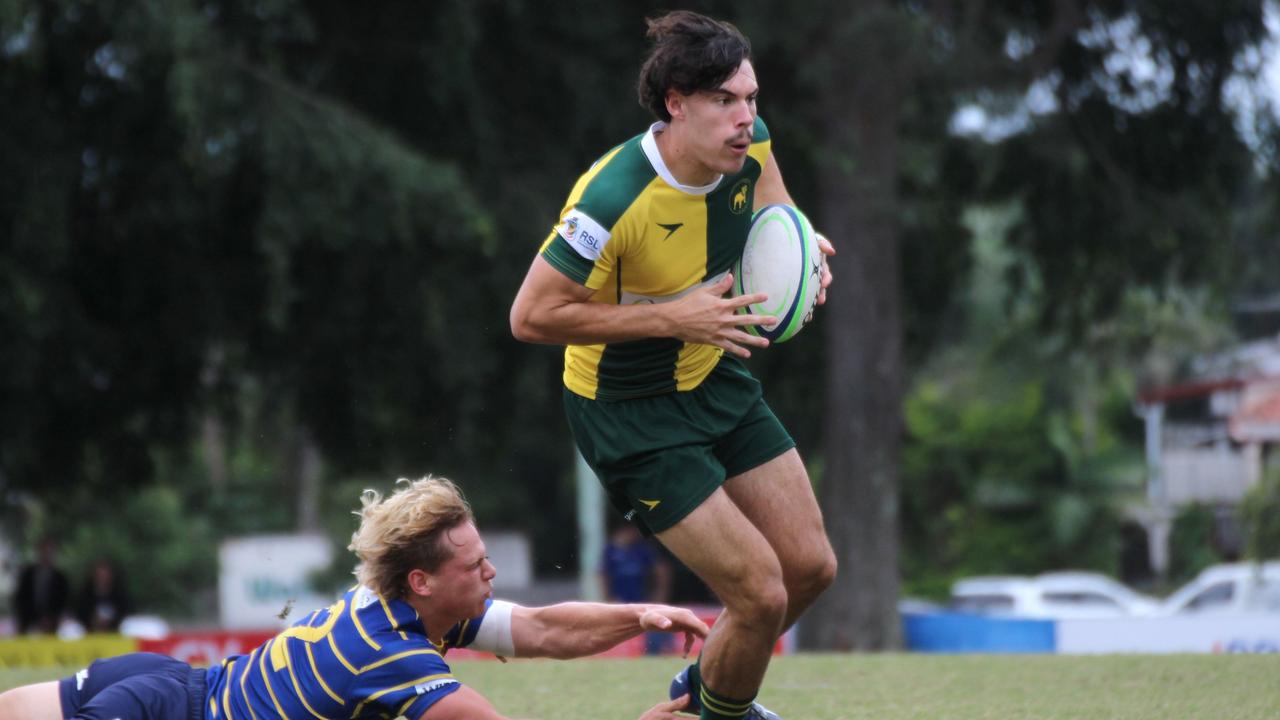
x=782, y=260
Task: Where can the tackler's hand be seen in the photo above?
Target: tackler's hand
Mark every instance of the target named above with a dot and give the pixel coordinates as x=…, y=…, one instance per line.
x=667, y=710
x=664, y=618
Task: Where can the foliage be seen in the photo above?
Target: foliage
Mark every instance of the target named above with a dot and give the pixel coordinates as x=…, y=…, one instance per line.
x=166, y=552
x=1191, y=543
x=996, y=481
x=1260, y=513
x=231, y=239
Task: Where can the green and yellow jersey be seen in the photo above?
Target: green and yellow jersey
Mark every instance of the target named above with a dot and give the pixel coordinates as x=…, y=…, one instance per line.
x=634, y=234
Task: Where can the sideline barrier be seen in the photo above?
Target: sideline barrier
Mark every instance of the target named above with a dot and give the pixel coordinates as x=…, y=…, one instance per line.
x=941, y=632
x=49, y=651
x=1231, y=634
x=202, y=648
x=946, y=632
x=964, y=633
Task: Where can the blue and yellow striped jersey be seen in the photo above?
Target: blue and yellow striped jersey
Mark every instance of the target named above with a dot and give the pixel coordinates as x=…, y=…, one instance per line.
x=633, y=234
x=362, y=657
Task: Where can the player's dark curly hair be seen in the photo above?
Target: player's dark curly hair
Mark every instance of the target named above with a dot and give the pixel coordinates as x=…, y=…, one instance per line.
x=690, y=52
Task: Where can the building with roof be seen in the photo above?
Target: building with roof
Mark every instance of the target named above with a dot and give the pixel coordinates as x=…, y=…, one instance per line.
x=1207, y=441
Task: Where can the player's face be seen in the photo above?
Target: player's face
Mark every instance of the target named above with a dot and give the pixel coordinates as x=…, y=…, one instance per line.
x=720, y=122
x=466, y=579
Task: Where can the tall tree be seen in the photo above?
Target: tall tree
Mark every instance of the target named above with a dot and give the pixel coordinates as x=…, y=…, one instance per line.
x=858, y=206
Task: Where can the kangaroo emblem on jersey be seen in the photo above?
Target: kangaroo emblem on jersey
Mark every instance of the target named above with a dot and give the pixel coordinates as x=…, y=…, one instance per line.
x=738, y=200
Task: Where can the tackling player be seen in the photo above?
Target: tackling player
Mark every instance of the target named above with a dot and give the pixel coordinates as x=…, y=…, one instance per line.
x=632, y=280
x=379, y=652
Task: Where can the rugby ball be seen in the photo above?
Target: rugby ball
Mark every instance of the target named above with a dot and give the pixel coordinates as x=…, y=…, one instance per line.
x=781, y=259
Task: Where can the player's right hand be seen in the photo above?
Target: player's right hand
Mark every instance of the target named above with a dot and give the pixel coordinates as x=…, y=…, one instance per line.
x=667, y=710
x=709, y=318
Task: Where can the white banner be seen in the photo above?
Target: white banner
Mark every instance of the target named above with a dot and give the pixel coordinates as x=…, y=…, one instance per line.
x=1259, y=633
x=264, y=580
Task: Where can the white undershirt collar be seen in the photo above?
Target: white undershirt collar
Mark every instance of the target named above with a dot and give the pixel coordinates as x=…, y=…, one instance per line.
x=649, y=144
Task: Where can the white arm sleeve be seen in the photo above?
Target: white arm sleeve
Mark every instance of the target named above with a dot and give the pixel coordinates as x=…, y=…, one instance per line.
x=494, y=634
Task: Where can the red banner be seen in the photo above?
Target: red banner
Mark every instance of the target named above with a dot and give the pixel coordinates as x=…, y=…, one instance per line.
x=207, y=648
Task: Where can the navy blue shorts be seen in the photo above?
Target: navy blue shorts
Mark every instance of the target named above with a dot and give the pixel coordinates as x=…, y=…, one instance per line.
x=141, y=686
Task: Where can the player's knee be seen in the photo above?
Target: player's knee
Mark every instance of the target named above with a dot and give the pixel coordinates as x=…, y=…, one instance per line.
x=812, y=573
x=763, y=602
x=822, y=572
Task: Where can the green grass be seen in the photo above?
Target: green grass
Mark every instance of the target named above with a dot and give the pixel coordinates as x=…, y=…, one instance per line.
x=895, y=687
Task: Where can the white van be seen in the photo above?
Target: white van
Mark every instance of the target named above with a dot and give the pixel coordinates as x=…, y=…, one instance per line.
x=1056, y=595
x=1233, y=588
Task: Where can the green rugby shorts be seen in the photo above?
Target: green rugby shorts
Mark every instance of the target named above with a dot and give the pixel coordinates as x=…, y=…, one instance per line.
x=659, y=457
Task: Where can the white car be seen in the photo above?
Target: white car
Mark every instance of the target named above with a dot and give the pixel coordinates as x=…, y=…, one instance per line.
x=1233, y=588
x=1054, y=595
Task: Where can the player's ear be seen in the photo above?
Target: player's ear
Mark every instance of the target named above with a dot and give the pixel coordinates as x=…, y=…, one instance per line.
x=675, y=104
x=419, y=582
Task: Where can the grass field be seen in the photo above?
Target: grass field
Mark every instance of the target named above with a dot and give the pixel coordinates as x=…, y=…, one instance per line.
x=896, y=687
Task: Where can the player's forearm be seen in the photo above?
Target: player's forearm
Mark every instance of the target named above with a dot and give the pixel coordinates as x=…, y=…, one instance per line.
x=577, y=629
x=591, y=323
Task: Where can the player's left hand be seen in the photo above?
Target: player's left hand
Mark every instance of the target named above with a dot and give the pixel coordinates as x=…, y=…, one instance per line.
x=664, y=618
x=827, y=249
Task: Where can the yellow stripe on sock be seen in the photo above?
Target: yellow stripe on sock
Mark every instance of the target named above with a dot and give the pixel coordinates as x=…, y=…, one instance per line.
x=724, y=708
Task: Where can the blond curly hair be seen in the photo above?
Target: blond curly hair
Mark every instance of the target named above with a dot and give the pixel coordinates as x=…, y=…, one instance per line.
x=403, y=532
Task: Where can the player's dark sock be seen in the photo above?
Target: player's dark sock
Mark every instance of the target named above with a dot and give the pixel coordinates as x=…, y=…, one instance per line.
x=718, y=707
x=687, y=682
x=695, y=679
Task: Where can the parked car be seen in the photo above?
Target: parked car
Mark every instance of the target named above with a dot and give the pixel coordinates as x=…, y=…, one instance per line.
x=1065, y=594
x=1232, y=588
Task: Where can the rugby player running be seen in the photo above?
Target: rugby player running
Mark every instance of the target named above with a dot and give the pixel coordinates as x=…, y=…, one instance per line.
x=425, y=586
x=632, y=281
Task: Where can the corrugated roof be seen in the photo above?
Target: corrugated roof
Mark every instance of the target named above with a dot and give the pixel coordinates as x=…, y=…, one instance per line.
x=1258, y=421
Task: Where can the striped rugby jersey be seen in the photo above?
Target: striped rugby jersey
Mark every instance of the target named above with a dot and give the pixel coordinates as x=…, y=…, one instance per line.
x=362, y=657
x=633, y=234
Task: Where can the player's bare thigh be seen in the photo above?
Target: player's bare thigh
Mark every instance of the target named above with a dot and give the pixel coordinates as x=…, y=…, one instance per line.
x=723, y=547
x=778, y=500
x=32, y=702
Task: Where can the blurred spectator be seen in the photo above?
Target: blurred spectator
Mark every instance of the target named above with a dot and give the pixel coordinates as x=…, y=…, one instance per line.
x=103, y=601
x=631, y=571
x=41, y=596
